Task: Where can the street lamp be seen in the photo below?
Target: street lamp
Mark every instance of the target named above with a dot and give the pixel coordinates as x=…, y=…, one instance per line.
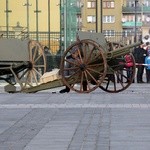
x=7, y=11
x=27, y=5
x=37, y=20
x=101, y=16
x=96, y=3
x=48, y=15
x=135, y=38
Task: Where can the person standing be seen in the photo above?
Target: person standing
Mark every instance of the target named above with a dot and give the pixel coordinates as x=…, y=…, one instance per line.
x=147, y=63
x=128, y=65
x=139, y=55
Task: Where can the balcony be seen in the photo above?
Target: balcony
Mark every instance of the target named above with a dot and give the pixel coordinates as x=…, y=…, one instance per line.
x=131, y=24
x=146, y=24
x=131, y=9
x=140, y=9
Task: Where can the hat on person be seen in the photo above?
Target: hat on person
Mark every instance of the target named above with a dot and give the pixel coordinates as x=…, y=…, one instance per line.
x=74, y=49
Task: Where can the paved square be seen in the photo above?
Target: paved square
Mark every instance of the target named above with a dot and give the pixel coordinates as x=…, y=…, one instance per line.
x=72, y=121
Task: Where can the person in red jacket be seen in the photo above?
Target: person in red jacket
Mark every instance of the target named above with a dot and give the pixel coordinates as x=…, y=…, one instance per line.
x=128, y=65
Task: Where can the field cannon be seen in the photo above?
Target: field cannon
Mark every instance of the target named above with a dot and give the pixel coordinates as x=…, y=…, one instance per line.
x=101, y=64
x=21, y=62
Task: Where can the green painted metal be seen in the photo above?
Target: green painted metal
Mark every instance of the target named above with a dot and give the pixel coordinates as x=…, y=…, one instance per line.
x=69, y=10
x=44, y=86
x=121, y=51
x=132, y=24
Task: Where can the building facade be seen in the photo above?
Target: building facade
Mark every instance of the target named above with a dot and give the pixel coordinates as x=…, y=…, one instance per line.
x=102, y=16
x=124, y=18
x=136, y=16
x=34, y=12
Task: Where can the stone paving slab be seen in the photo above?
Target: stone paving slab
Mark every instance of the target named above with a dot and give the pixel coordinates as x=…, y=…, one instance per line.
x=72, y=121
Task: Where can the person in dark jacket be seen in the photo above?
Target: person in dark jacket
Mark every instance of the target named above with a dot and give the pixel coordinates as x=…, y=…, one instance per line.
x=139, y=55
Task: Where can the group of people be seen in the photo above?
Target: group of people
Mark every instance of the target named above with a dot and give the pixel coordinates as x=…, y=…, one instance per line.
x=142, y=59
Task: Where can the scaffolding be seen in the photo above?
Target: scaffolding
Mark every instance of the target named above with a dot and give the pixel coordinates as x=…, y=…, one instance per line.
x=70, y=12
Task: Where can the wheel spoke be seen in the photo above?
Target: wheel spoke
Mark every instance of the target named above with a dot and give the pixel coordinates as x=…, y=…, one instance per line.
x=81, y=85
x=84, y=52
x=117, y=74
x=91, y=76
x=74, y=73
x=96, y=65
x=34, y=77
x=75, y=81
x=34, y=53
x=39, y=66
x=98, y=55
x=114, y=84
x=37, y=72
x=28, y=80
x=72, y=68
x=90, y=69
x=121, y=73
x=38, y=58
x=90, y=54
x=70, y=62
x=80, y=56
x=87, y=80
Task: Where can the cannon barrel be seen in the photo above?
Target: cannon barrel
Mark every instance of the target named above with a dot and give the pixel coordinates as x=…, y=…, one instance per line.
x=122, y=51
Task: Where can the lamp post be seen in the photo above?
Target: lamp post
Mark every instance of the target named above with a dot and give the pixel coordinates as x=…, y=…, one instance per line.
x=7, y=11
x=135, y=38
x=96, y=15
x=101, y=16
x=65, y=24
x=37, y=21
x=48, y=23
x=27, y=5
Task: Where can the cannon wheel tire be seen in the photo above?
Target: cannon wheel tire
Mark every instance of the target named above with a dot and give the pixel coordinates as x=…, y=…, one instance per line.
x=87, y=71
x=37, y=65
x=120, y=78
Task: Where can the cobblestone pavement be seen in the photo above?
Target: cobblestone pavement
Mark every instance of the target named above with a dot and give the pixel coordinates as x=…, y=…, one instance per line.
x=72, y=121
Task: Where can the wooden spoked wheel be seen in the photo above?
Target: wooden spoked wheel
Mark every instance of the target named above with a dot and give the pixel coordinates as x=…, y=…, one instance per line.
x=86, y=72
x=30, y=76
x=119, y=75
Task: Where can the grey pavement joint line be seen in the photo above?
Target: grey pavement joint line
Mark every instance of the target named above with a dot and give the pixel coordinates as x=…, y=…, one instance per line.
x=84, y=124
x=69, y=146
x=103, y=141
x=31, y=106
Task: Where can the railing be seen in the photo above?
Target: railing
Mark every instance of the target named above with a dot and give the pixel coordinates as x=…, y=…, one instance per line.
x=139, y=9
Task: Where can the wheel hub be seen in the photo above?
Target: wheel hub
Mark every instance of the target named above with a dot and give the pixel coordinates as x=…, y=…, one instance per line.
x=30, y=66
x=82, y=67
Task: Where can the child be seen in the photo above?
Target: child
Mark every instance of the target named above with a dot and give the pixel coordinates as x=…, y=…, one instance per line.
x=128, y=65
x=147, y=63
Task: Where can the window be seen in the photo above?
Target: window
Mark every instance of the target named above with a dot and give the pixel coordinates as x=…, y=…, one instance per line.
x=108, y=4
x=91, y=19
x=91, y=4
x=147, y=3
x=108, y=19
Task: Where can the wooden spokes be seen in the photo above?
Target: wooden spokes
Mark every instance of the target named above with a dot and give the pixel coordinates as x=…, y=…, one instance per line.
x=120, y=75
x=36, y=68
x=85, y=72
